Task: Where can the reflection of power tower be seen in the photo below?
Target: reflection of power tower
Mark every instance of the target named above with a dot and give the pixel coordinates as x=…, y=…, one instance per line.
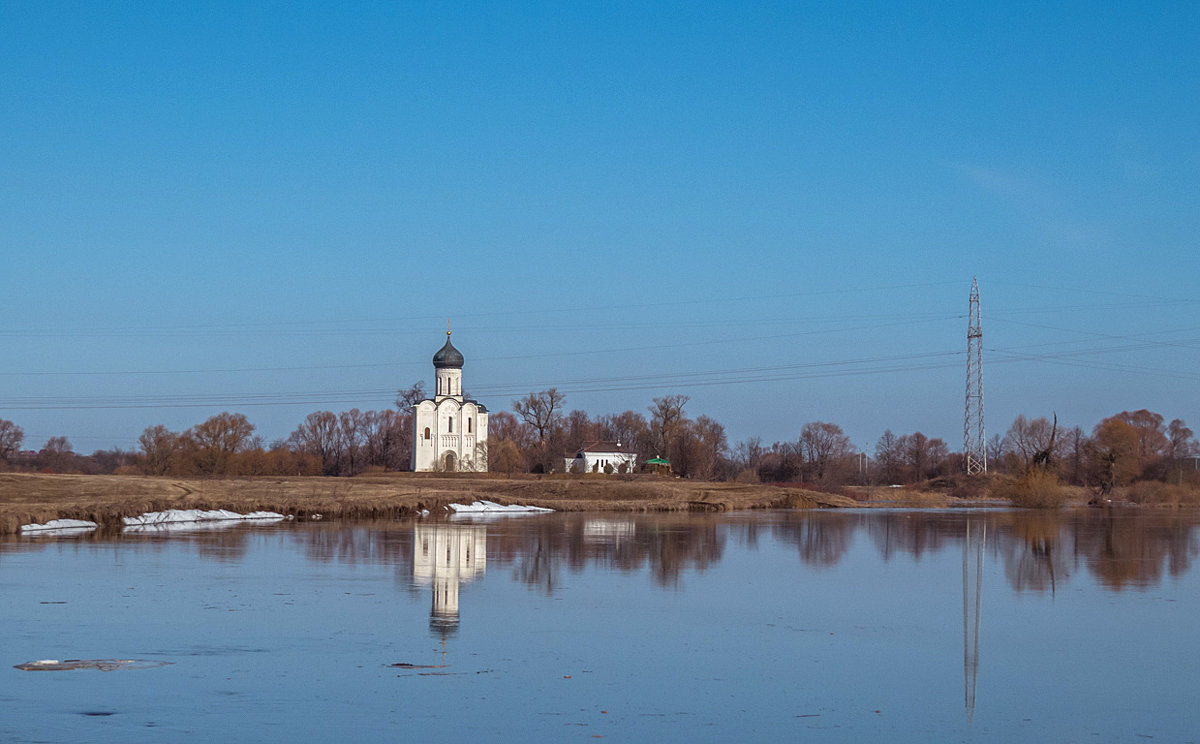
x=974, y=439
x=973, y=549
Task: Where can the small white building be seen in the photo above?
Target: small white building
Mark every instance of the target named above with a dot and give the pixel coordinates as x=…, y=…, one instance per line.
x=597, y=457
x=449, y=431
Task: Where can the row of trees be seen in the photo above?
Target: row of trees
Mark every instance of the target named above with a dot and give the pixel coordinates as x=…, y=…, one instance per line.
x=1130, y=446
x=539, y=432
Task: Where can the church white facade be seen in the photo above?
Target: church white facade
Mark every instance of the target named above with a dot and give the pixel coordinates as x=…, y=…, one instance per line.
x=449, y=431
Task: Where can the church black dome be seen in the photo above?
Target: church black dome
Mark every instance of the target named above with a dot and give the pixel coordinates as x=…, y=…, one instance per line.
x=448, y=356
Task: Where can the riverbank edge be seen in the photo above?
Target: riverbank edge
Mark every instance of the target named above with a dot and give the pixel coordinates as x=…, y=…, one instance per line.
x=36, y=498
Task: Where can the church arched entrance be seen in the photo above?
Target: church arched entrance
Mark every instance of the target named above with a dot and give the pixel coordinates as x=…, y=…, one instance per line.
x=450, y=462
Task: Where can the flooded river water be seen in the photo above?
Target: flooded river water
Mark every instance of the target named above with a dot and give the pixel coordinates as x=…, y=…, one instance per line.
x=872, y=625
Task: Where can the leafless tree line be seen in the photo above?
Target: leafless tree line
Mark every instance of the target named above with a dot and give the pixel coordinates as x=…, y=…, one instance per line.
x=1138, y=447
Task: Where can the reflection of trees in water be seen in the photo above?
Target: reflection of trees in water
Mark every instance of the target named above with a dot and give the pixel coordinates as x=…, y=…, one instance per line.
x=541, y=548
x=1040, y=550
x=1037, y=549
x=1133, y=547
x=1119, y=547
x=912, y=533
x=822, y=538
x=381, y=543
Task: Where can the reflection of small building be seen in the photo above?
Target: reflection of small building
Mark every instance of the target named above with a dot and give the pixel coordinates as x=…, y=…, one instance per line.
x=601, y=457
x=608, y=531
x=446, y=555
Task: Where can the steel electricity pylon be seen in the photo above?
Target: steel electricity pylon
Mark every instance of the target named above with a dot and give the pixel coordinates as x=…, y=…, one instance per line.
x=974, y=439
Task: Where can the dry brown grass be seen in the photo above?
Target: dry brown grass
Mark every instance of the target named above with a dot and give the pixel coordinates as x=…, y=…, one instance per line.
x=1036, y=489
x=1155, y=493
x=36, y=498
x=888, y=496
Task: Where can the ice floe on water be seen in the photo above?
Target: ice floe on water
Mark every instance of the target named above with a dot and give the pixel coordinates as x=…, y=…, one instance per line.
x=59, y=527
x=104, y=665
x=490, y=509
x=191, y=519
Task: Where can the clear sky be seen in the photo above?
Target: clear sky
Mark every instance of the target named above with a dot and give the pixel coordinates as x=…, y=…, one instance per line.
x=774, y=208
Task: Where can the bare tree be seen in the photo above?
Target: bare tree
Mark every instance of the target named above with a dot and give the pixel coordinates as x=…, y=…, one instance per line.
x=747, y=455
x=823, y=444
x=995, y=453
x=1182, y=441
x=11, y=437
x=666, y=417
x=406, y=399
x=888, y=457
x=542, y=412
x=1076, y=453
x=218, y=439
x=387, y=439
x=353, y=428
x=781, y=463
x=56, y=454
x=915, y=448
x=579, y=429
x=160, y=450
x=708, y=448
x=939, y=453
x=320, y=435
x=630, y=429
x=1033, y=442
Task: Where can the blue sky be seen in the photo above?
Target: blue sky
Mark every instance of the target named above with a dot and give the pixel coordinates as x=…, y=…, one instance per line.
x=776, y=209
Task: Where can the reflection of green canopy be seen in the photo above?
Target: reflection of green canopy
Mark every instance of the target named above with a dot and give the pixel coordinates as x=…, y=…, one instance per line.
x=657, y=461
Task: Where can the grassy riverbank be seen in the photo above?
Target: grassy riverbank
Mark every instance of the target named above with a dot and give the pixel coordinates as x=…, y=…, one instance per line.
x=27, y=498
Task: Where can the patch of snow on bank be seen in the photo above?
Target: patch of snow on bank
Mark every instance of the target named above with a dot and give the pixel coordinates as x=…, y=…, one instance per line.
x=183, y=516
x=490, y=507
x=60, y=526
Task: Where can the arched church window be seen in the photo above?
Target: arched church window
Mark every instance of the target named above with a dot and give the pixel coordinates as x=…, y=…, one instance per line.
x=468, y=425
x=450, y=425
x=426, y=432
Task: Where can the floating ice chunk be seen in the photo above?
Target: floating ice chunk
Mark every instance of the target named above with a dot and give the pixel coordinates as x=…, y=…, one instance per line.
x=60, y=526
x=104, y=665
x=211, y=525
x=491, y=506
x=181, y=516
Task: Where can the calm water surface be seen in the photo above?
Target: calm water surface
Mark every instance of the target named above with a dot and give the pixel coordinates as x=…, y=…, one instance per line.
x=820, y=626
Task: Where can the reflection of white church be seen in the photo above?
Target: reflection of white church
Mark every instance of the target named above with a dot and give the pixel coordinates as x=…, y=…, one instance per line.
x=446, y=555
x=449, y=431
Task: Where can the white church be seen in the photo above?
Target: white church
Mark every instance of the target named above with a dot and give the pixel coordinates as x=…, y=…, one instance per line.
x=449, y=431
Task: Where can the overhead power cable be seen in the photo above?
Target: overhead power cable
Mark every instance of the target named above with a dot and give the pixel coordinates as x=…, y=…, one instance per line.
x=509, y=357
x=276, y=326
